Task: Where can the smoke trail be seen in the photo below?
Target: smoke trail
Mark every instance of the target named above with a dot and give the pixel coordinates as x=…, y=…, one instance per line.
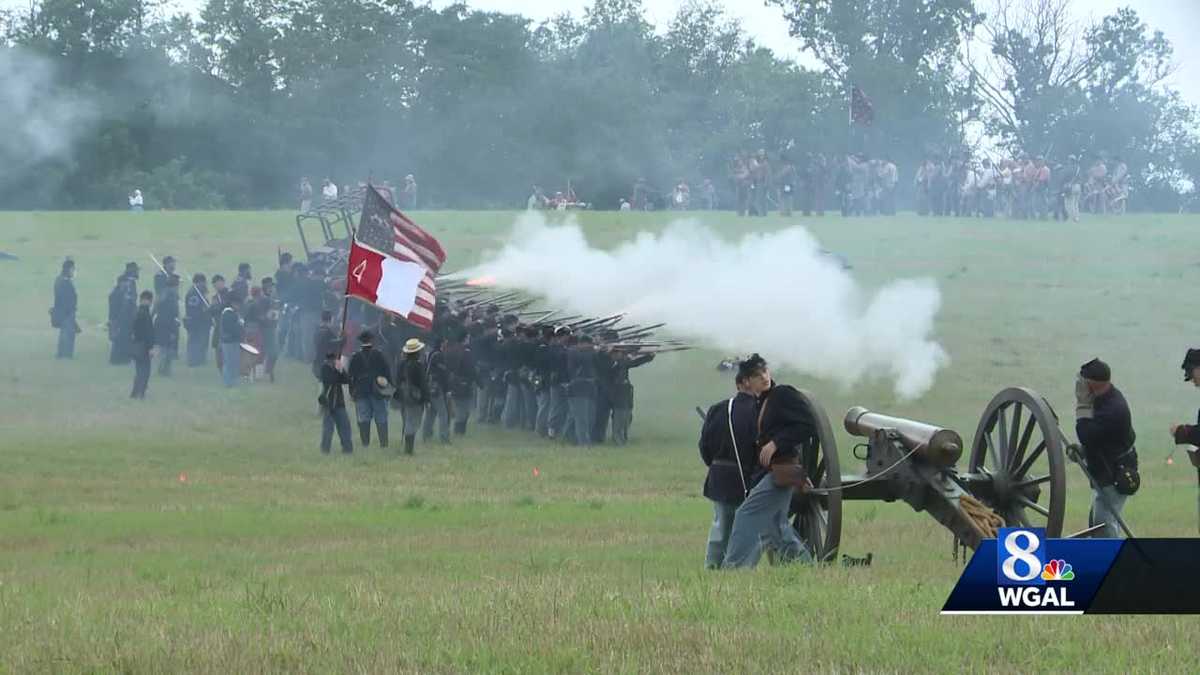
x=776, y=294
x=42, y=120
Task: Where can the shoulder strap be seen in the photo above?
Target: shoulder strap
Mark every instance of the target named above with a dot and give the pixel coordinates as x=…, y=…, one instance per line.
x=762, y=411
x=737, y=456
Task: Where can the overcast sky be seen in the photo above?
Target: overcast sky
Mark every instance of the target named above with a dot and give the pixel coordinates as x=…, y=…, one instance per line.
x=1178, y=19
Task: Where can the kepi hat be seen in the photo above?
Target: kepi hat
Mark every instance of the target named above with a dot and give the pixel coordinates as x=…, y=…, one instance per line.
x=1190, y=361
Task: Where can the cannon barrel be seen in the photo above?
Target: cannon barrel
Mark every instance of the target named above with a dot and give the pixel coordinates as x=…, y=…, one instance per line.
x=942, y=447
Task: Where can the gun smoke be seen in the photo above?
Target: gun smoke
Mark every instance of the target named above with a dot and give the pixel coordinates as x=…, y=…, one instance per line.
x=774, y=293
x=42, y=119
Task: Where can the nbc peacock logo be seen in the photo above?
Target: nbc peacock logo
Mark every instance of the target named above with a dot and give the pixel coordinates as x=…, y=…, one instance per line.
x=1058, y=570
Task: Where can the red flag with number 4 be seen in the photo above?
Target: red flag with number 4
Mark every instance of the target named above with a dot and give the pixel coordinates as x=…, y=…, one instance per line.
x=392, y=262
x=398, y=286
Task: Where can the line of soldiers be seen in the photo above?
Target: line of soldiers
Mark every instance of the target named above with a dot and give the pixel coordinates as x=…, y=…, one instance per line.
x=238, y=322
x=1022, y=188
x=566, y=380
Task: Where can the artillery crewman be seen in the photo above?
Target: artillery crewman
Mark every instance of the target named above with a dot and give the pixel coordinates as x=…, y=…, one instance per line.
x=785, y=425
x=166, y=325
x=1189, y=434
x=333, y=404
x=1105, y=430
x=728, y=449
x=371, y=386
x=142, y=344
x=62, y=315
x=412, y=390
x=197, y=321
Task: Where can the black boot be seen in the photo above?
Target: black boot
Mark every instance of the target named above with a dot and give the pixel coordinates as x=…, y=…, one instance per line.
x=382, y=430
x=409, y=442
x=364, y=432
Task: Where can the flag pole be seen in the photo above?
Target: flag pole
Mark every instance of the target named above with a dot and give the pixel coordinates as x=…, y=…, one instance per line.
x=346, y=293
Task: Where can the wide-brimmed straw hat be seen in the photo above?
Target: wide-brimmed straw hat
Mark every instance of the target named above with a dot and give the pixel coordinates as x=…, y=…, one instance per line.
x=413, y=346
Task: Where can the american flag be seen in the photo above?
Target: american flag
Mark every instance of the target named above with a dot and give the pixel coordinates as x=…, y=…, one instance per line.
x=389, y=232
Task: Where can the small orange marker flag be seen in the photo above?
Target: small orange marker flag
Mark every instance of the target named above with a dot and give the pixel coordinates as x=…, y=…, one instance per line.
x=536, y=473
x=182, y=477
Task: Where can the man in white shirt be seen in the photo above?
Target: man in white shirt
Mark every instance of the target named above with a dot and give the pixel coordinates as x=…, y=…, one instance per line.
x=135, y=200
x=329, y=191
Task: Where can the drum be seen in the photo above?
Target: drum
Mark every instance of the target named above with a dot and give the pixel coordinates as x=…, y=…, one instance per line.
x=250, y=355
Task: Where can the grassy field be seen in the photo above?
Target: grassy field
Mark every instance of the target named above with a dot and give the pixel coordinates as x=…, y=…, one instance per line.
x=271, y=557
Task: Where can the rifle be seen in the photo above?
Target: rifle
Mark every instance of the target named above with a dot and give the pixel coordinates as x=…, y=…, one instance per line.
x=514, y=308
x=168, y=274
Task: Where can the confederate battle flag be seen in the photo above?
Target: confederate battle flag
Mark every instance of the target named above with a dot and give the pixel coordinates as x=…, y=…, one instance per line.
x=393, y=262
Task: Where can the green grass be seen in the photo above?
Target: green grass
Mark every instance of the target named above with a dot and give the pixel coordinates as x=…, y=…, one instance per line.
x=271, y=557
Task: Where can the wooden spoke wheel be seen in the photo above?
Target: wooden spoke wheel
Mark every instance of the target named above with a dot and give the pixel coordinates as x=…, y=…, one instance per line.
x=1017, y=466
x=818, y=517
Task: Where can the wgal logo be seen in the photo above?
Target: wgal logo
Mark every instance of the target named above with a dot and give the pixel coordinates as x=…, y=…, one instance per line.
x=1023, y=568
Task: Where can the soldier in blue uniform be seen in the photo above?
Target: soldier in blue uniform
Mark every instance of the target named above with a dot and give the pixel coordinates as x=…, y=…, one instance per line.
x=166, y=325
x=370, y=382
x=198, y=321
x=122, y=308
x=141, y=344
x=62, y=315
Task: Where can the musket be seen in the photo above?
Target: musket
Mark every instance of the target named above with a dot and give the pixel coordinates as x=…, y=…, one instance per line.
x=517, y=306
x=450, y=284
x=504, y=296
x=468, y=296
x=641, y=329
x=592, y=323
x=547, y=316
x=668, y=350
x=168, y=275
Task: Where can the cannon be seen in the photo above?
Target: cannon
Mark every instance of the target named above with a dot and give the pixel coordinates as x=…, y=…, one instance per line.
x=1015, y=473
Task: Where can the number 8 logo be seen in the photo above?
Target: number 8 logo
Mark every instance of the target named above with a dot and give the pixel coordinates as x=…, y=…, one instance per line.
x=1024, y=554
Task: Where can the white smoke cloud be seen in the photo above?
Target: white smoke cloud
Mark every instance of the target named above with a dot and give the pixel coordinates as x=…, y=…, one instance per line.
x=774, y=293
x=42, y=121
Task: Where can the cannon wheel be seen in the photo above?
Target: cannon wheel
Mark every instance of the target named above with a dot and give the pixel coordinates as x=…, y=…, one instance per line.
x=818, y=518
x=1019, y=446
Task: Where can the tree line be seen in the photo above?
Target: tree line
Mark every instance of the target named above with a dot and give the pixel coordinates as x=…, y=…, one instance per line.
x=230, y=108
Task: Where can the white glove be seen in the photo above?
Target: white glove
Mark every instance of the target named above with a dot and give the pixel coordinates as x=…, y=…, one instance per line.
x=1083, y=395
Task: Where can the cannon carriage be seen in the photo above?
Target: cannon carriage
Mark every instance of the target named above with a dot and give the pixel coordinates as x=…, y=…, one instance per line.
x=1015, y=473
